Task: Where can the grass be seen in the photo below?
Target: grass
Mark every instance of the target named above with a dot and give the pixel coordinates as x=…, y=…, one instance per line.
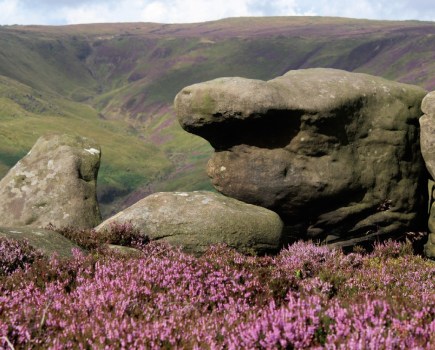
x=127, y=162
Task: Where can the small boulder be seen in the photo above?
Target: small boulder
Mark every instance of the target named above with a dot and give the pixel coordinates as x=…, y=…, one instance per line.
x=335, y=154
x=55, y=183
x=196, y=220
x=124, y=251
x=47, y=242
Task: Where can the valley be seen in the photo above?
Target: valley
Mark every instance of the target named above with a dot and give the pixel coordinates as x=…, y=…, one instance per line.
x=116, y=83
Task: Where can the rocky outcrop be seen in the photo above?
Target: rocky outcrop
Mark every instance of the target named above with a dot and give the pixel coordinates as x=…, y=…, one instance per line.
x=54, y=184
x=49, y=243
x=336, y=154
x=427, y=139
x=196, y=220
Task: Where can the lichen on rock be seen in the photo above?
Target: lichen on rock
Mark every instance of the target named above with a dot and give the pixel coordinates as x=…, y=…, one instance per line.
x=55, y=183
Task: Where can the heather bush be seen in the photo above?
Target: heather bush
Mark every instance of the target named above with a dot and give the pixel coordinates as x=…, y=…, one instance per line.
x=305, y=297
x=124, y=234
x=16, y=254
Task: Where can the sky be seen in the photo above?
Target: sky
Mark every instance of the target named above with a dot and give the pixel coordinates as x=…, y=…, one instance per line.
x=56, y=12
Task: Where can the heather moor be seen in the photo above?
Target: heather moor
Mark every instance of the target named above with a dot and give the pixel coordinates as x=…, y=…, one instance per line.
x=247, y=183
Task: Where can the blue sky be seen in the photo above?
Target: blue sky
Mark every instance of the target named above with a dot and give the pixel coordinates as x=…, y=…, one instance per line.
x=187, y=11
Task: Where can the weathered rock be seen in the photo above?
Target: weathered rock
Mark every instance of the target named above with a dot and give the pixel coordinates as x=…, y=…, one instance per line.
x=336, y=154
x=55, y=183
x=427, y=132
x=428, y=104
x=429, y=247
x=431, y=205
x=196, y=220
x=125, y=251
x=427, y=140
x=48, y=242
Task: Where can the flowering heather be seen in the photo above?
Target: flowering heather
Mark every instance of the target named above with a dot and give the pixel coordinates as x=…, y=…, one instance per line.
x=306, y=297
x=15, y=254
x=124, y=234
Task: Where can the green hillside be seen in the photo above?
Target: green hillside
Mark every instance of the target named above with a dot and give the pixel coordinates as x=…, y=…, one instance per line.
x=116, y=83
x=26, y=114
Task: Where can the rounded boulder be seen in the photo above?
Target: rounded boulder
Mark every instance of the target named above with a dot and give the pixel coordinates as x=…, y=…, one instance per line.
x=197, y=220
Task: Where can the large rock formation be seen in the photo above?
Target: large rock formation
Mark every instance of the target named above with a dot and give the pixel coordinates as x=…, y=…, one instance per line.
x=427, y=139
x=336, y=154
x=196, y=220
x=47, y=242
x=54, y=184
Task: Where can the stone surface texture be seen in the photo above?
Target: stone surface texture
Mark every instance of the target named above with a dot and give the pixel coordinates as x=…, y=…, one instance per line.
x=427, y=139
x=427, y=132
x=335, y=154
x=429, y=247
x=48, y=242
x=55, y=183
x=196, y=220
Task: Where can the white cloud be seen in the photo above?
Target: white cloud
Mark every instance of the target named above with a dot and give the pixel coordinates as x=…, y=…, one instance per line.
x=184, y=11
x=7, y=9
x=168, y=11
x=93, y=13
x=284, y=7
x=164, y=11
x=179, y=11
x=15, y=12
x=372, y=9
x=357, y=9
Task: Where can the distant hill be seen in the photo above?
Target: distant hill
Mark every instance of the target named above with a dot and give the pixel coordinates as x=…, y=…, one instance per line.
x=116, y=83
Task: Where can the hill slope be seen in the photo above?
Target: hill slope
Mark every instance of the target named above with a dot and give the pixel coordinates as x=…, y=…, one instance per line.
x=116, y=83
